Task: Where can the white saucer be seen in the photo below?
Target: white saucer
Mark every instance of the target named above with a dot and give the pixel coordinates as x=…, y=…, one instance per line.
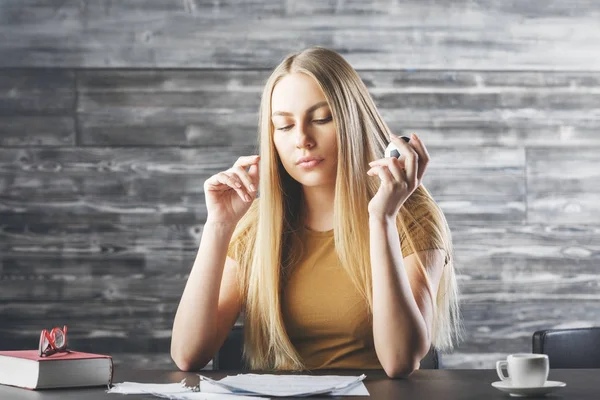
x=548, y=387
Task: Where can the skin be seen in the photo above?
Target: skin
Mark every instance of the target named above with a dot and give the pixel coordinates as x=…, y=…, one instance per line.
x=301, y=130
x=402, y=304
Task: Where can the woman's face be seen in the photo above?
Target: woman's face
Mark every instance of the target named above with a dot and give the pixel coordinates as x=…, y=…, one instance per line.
x=304, y=130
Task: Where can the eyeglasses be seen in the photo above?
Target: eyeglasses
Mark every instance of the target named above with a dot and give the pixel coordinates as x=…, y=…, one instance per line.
x=52, y=342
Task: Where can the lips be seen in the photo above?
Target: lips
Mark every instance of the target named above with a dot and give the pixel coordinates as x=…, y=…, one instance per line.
x=305, y=160
x=309, y=162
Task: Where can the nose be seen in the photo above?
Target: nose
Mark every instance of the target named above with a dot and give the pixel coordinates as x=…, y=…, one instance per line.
x=303, y=139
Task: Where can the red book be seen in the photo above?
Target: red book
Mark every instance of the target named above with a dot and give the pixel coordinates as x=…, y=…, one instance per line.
x=26, y=369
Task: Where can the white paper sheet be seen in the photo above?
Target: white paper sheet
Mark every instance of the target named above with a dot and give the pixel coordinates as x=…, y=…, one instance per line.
x=173, y=391
x=209, y=396
x=142, y=388
x=286, y=385
x=244, y=386
x=357, y=390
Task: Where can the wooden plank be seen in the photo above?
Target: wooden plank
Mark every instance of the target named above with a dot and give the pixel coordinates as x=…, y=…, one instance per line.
x=146, y=361
x=35, y=130
x=563, y=185
x=50, y=268
x=474, y=108
x=135, y=343
x=152, y=288
x=481, y=34
x=208, y=108
x=37, y=92
x=152, y=361
x=37, y=107
x=516, y=279
x=478, y=185
x=131, y=326
x=483, y=360
x=513, y=253
x=132, y=181
x=465, y=108
x=509, y=325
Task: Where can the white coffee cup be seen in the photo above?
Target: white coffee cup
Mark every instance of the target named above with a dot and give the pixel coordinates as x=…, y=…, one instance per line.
x=525, y=369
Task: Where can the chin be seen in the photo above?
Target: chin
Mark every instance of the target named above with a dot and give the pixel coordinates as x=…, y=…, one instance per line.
x=311, y=181
x=311, y=178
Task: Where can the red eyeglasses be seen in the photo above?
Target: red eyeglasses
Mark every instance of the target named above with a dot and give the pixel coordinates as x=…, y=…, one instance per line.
x=52, y=342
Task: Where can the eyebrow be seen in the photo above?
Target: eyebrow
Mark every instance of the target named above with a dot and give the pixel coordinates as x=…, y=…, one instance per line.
x=308, y=111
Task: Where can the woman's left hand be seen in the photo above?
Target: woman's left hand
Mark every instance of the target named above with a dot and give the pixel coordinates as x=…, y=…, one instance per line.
x=399, y=177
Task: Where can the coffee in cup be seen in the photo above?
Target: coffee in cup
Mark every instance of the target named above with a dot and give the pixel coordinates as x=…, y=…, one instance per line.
x=525, y=369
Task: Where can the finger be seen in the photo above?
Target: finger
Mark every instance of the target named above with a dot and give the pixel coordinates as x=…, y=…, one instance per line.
x=385, y=161
x=233, y=183
x=243, y=176
x=393, y=164
x=395, y=167
x=411, y=161
x=383, y=173
x=246, y=161
x=253, y=172
x=423, y=155
x=215, y=182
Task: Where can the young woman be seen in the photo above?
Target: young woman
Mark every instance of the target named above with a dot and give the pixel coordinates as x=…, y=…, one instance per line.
x=344, y=260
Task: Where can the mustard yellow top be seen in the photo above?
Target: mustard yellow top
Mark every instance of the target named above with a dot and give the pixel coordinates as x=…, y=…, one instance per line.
x=326, y=318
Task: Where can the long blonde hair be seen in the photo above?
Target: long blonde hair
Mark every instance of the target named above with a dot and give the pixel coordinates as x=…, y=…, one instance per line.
x=263, y=238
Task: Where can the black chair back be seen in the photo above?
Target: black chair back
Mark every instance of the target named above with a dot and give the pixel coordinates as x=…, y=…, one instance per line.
x=569, y=348
x=229, y=356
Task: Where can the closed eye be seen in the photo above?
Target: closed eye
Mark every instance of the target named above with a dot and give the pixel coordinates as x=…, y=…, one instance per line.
x=322, y=121
x=317, y=121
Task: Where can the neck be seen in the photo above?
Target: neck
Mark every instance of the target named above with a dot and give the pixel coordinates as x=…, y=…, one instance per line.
x=318, y=202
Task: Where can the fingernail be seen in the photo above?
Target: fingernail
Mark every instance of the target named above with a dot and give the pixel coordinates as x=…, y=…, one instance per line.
x=238, y=184
x=414, y=136
x=252, y=188
x=406, y=139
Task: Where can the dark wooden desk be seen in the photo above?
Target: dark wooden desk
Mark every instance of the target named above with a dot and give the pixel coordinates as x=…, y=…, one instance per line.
x=582, y=384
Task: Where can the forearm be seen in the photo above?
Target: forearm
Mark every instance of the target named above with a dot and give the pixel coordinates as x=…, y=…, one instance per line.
x=195, y=324
x=399, y=330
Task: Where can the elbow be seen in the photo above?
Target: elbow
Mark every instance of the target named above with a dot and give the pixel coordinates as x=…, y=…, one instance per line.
x=402, y=366
x=186, y=361
x=183, y=364
x=182, y=361
x=400, y=370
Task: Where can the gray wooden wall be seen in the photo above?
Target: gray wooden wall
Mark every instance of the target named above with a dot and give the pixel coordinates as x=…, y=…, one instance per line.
x=113, y=113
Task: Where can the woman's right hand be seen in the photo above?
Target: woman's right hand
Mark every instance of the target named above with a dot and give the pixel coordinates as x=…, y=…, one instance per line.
x=229, y=194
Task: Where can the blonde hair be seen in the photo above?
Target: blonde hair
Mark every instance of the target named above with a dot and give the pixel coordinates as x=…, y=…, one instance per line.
x=264, y=237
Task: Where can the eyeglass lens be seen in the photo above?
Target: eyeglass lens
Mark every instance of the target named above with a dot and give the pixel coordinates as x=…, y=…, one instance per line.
x=59, y=338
